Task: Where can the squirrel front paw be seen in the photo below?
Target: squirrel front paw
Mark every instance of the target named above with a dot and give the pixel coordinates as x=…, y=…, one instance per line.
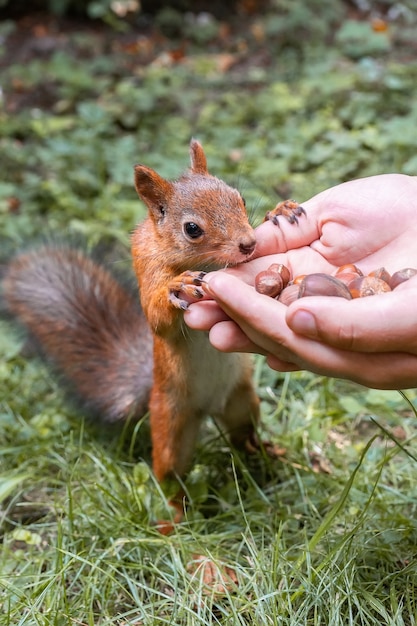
x=185, y=289
x=289, y=209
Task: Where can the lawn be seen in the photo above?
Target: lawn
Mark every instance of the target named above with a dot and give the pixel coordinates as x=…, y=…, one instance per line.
x=324, y=534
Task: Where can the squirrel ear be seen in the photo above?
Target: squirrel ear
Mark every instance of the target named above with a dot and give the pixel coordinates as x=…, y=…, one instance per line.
x=154, y=190
x=198, y=158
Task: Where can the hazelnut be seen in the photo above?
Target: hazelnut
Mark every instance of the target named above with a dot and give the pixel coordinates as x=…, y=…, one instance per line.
x=368, y=286
x=381, y=273
x=349, y=268
x=347, y=277
x=282, y=270
x=323, y=285
x=272, y=281
x=269, y=283
x=298, y=279
x=401, y=276
x=289, y=294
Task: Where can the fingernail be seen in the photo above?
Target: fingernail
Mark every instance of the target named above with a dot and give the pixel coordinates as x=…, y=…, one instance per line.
x=303, y=323
x=205, y=285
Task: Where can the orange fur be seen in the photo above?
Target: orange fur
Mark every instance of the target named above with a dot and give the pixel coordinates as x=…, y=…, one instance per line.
x=191, y=378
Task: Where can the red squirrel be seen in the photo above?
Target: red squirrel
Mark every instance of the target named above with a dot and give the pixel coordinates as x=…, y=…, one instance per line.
x=119, y=359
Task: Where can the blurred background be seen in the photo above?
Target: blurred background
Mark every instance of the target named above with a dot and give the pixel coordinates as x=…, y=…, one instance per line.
x=287, y=97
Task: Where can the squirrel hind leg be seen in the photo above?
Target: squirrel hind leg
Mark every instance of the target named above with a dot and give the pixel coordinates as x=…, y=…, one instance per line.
x=174, y=430
x=241, y=415
x=87, y=326
x=240, y=418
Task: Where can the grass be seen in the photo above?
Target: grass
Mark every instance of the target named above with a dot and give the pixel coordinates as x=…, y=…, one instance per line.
x=325, y=534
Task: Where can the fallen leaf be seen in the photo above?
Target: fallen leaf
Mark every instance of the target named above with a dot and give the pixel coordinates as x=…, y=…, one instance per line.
x=319, y=464
x=379, y=25
x=225, y=61
x=216, y=577
x=399, y=433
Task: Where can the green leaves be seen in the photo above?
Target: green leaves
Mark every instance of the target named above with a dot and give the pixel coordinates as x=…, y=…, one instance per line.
x=357, y=39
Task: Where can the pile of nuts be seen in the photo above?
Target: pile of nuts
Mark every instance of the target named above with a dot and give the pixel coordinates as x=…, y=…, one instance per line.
x=347, y=282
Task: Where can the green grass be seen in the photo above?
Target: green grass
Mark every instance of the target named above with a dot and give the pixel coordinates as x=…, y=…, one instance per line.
x=326, y=534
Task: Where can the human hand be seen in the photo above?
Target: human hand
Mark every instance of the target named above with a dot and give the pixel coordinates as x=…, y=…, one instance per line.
x=370, y=222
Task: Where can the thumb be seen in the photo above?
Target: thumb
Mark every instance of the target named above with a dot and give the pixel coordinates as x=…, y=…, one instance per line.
x=272, y=238
x=380, y=323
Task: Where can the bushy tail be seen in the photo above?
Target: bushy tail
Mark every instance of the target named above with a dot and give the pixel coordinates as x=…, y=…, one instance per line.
x=87, y=325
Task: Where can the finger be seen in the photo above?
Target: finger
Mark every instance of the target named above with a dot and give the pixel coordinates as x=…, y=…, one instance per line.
x=281, y=366
x=380, y=323
x=389, y=370
x=225, y=335
x=260, y=318
x=374, y=371
x=228, y=337
x=203, y=315
x=272, y=238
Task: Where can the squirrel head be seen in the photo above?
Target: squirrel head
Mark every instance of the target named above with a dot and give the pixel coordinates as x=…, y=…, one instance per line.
x=201, y=219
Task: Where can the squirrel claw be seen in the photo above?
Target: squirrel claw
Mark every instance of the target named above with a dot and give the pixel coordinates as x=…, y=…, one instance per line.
x=167, y=526
x=198, y=277
x=289, y=209
x=178, y=302
x=191, y=293
x=252, y=445
x=188, y=284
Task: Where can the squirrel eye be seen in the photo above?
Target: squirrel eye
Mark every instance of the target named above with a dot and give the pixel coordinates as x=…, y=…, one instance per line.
x=193, y=230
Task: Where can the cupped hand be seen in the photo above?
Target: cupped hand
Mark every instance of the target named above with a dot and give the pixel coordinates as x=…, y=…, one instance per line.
x=370, y=222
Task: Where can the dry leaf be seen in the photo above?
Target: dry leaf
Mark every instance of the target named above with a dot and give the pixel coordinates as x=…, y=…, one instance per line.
x=319, y=464
x=225, y=61
x=379, y=25
x=216, y=577
x=399, y=433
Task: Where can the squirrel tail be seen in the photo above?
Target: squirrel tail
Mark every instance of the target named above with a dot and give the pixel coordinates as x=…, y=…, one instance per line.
x=86, y=325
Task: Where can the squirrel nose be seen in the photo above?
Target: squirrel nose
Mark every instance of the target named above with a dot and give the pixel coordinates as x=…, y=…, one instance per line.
x=248, y=247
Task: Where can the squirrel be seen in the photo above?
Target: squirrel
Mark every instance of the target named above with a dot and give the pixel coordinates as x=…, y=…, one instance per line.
x=120, y=359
